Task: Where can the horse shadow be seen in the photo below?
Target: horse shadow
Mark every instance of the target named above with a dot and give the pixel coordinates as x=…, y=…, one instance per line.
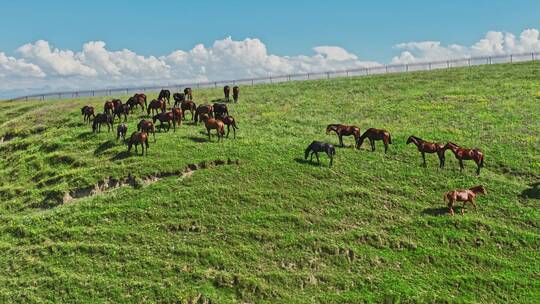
x=85, y=135
x=307, y=162
x=121, y=155
x=437, y=211
x=104, y=147
x=533, y=192
x=197, y=139
x=221, y=100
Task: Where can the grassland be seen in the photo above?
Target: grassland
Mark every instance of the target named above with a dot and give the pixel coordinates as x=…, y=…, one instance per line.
x=274, y=228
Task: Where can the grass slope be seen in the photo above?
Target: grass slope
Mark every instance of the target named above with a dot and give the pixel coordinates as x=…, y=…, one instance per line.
x=274, y=228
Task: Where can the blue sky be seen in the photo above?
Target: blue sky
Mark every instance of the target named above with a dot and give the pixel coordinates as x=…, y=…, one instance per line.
x=366, y=28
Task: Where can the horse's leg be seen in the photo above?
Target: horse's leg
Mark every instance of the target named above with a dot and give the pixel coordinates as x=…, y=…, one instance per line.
x=228, y=130
x=473, y=203
x=311, y=158
x=372, y=142
x=340, y=140
x=317, y=155
x=451, y=206
x=461, y=167
x=386, y=148
x=209, y=138
x=234, y=131
x=477, y=167
x=424, y=158
x=463, y=208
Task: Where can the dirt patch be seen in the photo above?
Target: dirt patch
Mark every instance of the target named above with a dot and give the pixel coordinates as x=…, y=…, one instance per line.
x=135, y=182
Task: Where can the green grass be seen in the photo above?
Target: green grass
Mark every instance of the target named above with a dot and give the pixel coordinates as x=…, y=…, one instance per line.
x=274, y=228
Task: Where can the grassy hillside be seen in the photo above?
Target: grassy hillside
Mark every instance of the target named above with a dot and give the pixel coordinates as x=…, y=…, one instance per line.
x=271, y=227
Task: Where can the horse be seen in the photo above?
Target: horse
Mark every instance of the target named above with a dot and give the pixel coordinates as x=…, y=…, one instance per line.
x=316, y=146
x=123, y=109
x=88, y=111
x=135, y=101
x=188, y=93
x=121, y=131
x=188, y=105
x=344, y=130
x=203, y=109
x=165, y=117
x=165, y=95
x=117, y=104
x=226, y=92
x=138, y=138
x=235, y=93
x=108, y=107
x=211, y=123
x=375, y=134
x=220, y=109
x=463, y=196
x=156, y=105
x=462, y=154
x=178, y=98
x=147, y=126
x=177, y=115
x=101, y=118
x=229, y=121
x=141, y=97
x=428, y=147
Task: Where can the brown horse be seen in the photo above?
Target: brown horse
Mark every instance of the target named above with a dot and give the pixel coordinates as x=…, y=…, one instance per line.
x=189, y=93
x=462, y=154
x=165, y=95
x=138, y=138
x=178, y=98
x=344, y=130
x=375, y=134
x=141, y=97
x=101, y=118
x=428, y=147
x=121, y=131
x=226, y=92
x=235, y=93
x=147, y=126
x=229, y=121
x=167, y=117
x=122, y=109
x=88, y=111
x=463, y=196
x=117, y=104
x=135, y=101
x=108, y=107
x=155, y=106
x=177, y=115
x=201, y=110
x=188, y=105
x=220, y=109
x=211, y=123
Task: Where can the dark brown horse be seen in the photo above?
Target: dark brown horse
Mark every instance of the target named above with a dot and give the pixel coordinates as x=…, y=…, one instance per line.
x=108, y=107
x=141, y=97
x=117, y=104
x=167, y=117
x=229, y=121
x=220, y=109
x=156, y=105
x=188, y=105
x=211, y=123
x=376, y=134
x=165, y=95
x=428, y=147
x=177, y=115
x=462, y=154
x=344, y=130
x=88, y=112
x=465, y=196
x=101, y=118
x=235, y=93
x=178, y=98
x=317, y=146
x=122, y=109
x=138, y=138
x=147, y=126
x=121, y=131
x=135, y=101
x=226, y=92
x=189, y=93
x=203, y=109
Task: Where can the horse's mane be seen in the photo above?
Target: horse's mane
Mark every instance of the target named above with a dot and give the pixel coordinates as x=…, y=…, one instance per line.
x=476, y=188
x=451, y=143
x=416, y=137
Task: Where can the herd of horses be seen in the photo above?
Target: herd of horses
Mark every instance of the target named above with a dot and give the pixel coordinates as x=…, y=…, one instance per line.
x=214, y=116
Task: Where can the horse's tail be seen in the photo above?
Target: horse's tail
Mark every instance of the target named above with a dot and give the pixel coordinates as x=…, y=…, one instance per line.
x=445, y=197
x=234, y=124
x=482, y=160
x=146, y=142
x=389, y=138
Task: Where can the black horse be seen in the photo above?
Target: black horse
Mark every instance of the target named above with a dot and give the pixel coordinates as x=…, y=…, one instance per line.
x=165, y=95
x=316, y=147
x=102, y=118
x=178, y=98
x=220, y=109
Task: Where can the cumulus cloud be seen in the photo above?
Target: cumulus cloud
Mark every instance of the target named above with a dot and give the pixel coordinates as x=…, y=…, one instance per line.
x=493, y=43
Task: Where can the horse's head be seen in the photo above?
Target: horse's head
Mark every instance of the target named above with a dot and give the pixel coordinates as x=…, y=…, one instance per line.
x=330, y=128
x=479, y=189
x=330, y=149
x=83, y=109
x=155, y=118
x=450, y=145
x=204, y=117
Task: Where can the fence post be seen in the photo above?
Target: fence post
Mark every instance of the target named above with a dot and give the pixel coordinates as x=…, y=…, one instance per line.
x=429, y=66
x=511, y=59
x=406, y=68
x=26, y=98
x=447, y=64
x=215, y=84
x=327, y=75
x=271, y=79
x=251, y=81
x=308, y=76
x=367, y=72
x=532, y=56
x=469, y=61
x=386, y=68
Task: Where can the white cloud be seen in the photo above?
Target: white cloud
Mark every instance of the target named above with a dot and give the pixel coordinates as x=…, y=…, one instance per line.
x=11, y=67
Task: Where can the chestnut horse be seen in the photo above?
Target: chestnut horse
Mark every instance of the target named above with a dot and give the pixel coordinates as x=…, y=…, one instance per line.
x=141, y=97
x=226, y=92
x=121, y=131
x=167, y=117
x=229, y=121
x=462, y=154
x=188, y=105
x=316, y=146
x=135, y=101
x=156, y=105
x=220, y=109
x=211, y=123
x=463, y=196
x=88, y=111
x=235, y=93
x=165, y=95
x=178, y=98
x=376, y=134
x=108, y=107
x=344, y=130
x=189, y=94
x=102, y=118
x=177, y=115
x=428, y=147
x=201, y=110
x=147, y=126
x=138, y=138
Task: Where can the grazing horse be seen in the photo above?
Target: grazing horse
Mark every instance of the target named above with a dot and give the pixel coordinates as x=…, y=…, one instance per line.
x=135, y=101
x=177, y=115
x=147, y=126
x=117, y=104
x=165, y=95
x=141, y=97
x=316, y=146
x=138, y=138
x=220, y=109
x=203, y=109
x=88, y=111
x=463, y=196
x=167, y=117
x=108, y=107
x=344, y=130
x=101, y=118
x=229, y=121
x=428, y=147
x=466, y=154
x=235, y=93
x=226, y=92
x=121, y=131
x=178, y=98
x=189, y=94
x=211, y=123
x=375, y=134
x=156, y=105
x=188, y=105
x=123, y=109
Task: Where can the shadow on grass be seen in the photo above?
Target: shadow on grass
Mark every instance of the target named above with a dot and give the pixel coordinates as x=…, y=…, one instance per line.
x=221, y=100
x=308, y=162
x=85, y=135
x=533, y=192
x=104, y=147
x=198, y=139
x=122, y=155
x=438, y=211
